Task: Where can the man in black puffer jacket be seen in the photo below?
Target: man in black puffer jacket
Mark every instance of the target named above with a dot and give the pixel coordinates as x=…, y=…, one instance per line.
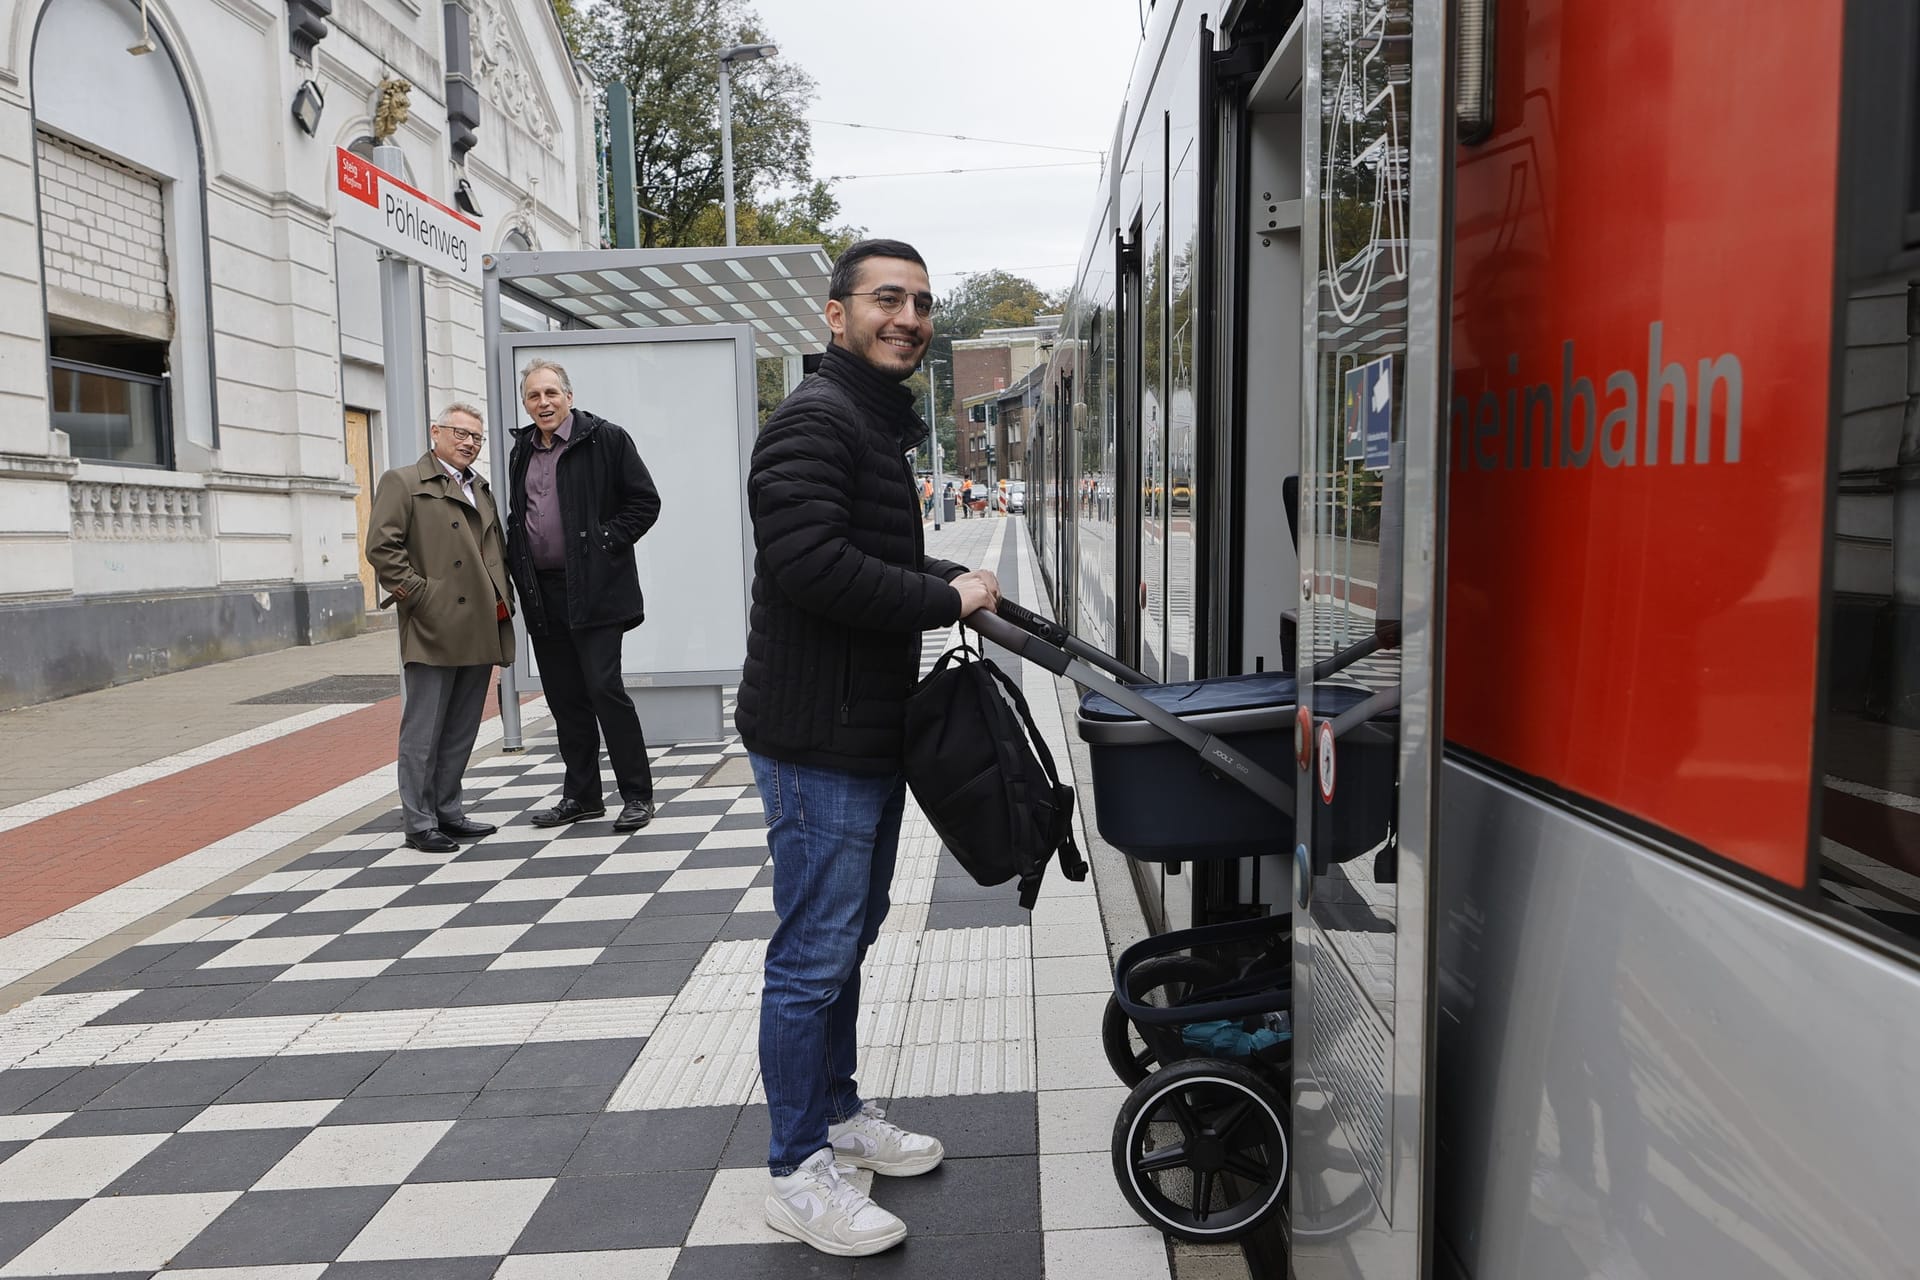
x=842, y=589
x=581, y=498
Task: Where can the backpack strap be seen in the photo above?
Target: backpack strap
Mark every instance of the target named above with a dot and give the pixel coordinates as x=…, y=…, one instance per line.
x=960, y=653
x=1072, y=865
x=985, y=672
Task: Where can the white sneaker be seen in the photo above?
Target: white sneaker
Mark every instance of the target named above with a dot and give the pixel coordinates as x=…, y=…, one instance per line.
x=870, y=1141
x=817, y=1205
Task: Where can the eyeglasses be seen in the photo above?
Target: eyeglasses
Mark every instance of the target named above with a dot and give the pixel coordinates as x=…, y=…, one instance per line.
x=461, y=433
x=891, y=300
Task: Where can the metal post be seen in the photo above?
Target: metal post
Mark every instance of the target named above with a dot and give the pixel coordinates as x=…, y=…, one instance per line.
x=405, y=363
x=726, y=143
x=498, y=409
x=401, y=356
x=933, y=430
x=626, y=216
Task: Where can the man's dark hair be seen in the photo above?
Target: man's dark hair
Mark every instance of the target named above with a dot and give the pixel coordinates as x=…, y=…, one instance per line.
x=846, y=269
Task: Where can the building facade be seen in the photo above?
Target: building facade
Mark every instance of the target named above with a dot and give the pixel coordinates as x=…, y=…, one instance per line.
x=993, y=371
x=192, y=404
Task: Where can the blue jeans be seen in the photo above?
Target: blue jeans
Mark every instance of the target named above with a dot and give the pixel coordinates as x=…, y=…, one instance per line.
x=834, y=836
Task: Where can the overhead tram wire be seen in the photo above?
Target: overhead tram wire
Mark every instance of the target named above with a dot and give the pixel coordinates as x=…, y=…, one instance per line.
x=958, y=137
x=935, y=173
x=979, y=271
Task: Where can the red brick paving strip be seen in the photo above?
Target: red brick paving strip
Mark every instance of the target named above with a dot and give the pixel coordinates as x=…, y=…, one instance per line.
x=66, y=858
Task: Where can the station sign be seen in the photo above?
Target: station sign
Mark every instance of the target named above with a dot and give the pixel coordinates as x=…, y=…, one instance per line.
x=379, y=207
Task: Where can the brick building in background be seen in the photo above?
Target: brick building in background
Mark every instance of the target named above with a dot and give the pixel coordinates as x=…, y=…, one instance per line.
x=983, y=369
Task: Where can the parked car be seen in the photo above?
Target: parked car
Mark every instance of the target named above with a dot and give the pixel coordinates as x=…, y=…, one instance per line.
x=1016, y=496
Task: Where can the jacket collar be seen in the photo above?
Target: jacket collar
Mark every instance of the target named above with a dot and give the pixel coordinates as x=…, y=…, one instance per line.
x=430, y=470
x=584, y=425
x=889, y=403
x=431, y=477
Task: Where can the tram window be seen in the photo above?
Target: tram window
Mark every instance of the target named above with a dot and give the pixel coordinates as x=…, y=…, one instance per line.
x=1870, y=800
x=1869, y=836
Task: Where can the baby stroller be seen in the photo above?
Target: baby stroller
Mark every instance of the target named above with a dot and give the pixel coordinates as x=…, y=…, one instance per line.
x=1198, y=1023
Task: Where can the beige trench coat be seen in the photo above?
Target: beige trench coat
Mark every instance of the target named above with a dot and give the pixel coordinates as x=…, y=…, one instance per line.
x=450, y=558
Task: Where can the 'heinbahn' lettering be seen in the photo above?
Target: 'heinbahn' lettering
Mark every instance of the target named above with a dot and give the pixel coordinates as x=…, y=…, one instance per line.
x=405, y=218
x=1544, y=425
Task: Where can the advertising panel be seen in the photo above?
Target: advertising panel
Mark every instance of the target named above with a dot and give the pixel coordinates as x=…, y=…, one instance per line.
x=1642, y=320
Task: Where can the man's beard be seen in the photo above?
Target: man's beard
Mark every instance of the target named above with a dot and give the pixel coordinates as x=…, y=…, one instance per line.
x=866, y=350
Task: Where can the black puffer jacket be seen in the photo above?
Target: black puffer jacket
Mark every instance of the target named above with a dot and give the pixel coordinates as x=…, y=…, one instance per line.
x=842, y=586
x=607, y=503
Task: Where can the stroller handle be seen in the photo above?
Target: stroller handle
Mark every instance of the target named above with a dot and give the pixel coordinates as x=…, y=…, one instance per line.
x=1044, y=642
x=1031, y=623
x=1099, y=671
x=1000, y=628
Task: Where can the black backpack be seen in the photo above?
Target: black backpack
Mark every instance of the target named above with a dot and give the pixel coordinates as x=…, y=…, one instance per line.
x=984, y=777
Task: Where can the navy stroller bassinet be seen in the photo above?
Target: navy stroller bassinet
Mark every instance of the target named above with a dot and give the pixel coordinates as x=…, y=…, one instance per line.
x=1156, y=800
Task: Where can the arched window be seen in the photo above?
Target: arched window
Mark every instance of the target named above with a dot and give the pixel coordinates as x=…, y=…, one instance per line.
x=123, y=239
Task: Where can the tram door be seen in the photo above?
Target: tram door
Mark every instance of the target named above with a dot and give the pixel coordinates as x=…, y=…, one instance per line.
x=1376, y=151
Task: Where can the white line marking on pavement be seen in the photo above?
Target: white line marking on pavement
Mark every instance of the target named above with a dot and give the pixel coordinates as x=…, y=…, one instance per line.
x=40, y=944
x=53, y=802
x=51, y=1031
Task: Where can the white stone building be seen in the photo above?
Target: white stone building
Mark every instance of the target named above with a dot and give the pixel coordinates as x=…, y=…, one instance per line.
x=191, y=390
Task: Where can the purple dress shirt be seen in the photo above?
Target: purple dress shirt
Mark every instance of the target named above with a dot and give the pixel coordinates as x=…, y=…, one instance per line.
x=546, y=536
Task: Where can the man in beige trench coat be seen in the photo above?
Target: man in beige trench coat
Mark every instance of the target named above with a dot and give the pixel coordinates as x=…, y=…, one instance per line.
x=435, y=542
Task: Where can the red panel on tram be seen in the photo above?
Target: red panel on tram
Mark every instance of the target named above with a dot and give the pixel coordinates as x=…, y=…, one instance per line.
x=1643, y=283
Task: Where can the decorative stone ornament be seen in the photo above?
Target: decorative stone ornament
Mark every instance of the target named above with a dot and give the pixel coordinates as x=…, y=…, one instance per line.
x=392, y=108
x=500, y=66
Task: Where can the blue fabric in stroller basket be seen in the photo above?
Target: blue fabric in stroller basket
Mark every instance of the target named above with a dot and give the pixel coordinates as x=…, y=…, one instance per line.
x=1155, y=800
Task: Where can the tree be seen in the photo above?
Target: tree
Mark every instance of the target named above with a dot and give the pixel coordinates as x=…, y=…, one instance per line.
x=984, y=300
x=663, y=51
x=805, y=218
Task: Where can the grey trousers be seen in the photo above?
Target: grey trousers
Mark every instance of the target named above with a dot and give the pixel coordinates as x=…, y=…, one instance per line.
x=442, y=715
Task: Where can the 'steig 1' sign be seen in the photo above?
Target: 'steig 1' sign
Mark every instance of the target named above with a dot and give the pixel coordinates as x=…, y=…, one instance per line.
x=379, y=207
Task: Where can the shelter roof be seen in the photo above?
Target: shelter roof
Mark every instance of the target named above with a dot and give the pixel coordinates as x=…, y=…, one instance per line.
x=780, y=289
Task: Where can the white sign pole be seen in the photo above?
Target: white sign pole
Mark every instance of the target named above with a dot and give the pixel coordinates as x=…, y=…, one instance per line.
x=409, y=227
x=400, y=338
x=400, y=349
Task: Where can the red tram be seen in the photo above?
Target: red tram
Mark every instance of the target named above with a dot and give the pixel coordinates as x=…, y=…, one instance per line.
x=1571, y=353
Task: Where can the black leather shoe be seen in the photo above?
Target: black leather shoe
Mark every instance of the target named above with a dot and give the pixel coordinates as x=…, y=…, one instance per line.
x=564, y=812
x=634, y=816
x=430, y=842
x=466, y=829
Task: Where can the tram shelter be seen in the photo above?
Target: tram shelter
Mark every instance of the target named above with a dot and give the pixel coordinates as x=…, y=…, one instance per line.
x=664, y=342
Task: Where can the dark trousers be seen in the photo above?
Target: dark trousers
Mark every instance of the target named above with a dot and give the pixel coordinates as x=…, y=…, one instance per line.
x=441, y=717
x=580, y=672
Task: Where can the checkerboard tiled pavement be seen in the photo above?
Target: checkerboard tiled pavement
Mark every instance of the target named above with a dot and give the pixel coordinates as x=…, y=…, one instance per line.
x=535, y=1058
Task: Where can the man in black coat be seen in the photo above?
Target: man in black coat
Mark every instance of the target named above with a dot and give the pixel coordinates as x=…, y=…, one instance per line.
x=581, y=498
x=842, y=589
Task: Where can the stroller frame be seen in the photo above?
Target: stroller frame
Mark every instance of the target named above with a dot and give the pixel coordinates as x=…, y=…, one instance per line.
x=1225, y=1172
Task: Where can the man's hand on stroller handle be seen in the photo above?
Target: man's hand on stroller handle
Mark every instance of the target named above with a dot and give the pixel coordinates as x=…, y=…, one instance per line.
x=979, y=589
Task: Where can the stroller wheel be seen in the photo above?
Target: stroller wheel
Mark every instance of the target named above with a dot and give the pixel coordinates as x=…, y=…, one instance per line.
x=1200, y=1150
x=1164, y=981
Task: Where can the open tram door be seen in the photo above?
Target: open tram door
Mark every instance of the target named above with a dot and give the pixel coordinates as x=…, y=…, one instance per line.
x=1377, y=141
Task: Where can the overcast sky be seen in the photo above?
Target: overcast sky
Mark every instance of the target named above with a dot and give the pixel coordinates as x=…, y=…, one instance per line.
x=1043, y=71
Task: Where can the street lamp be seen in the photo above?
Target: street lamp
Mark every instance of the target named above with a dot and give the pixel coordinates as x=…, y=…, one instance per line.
x=933, y=430
x=727, y=57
